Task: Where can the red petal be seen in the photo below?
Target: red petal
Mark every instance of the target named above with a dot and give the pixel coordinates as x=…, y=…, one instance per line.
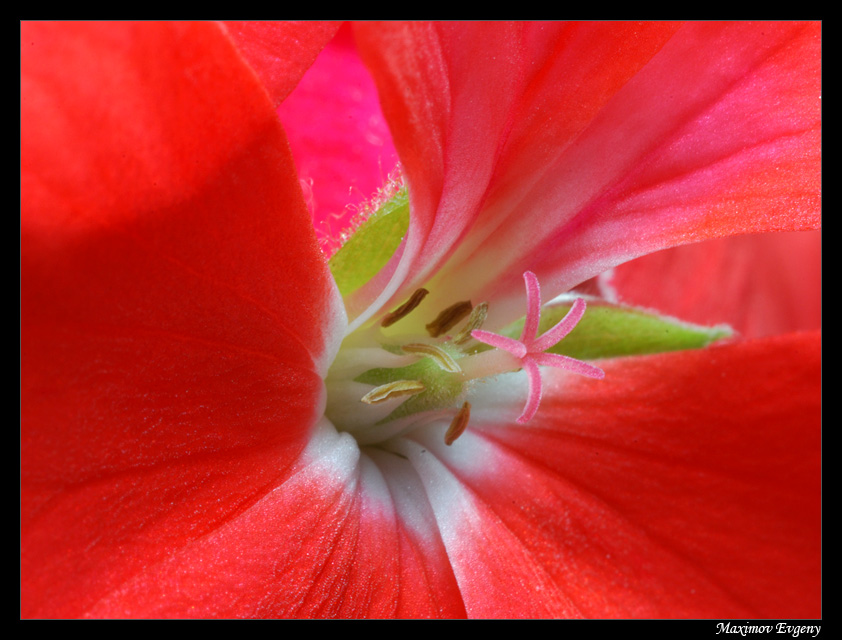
x=681, y=485
x=280, y=52
x=177, y=316
x=341, y=537
x=763, y=284
x=567, y=149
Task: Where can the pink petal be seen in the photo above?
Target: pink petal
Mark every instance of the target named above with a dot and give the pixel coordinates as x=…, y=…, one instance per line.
x=681, y=485
x=656, y=137
x=450, y=141
x=177, y=317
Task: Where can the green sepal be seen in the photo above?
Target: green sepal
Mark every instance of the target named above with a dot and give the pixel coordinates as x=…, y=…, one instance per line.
x=611, y=331
x=369, y=248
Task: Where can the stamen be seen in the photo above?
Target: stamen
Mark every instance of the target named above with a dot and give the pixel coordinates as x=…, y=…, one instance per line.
x=393, y=390
x=529, y=350
x=458, y=425
x=475, y=321
x=448, y=318
x=405, y=309
x=439, y=355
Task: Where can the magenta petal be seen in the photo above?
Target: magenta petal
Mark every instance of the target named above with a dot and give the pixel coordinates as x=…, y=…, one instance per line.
x=339, y=138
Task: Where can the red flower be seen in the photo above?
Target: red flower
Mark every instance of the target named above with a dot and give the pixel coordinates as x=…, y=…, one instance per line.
x=179, y=324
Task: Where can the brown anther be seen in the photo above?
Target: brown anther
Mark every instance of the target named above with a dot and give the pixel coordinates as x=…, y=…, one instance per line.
x=475, y=321
x=458, y=425
x=441, y=357
x=448, y=318
x=404, y=310
x=392, y=390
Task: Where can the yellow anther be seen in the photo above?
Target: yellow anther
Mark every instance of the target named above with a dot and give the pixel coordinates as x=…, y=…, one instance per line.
x=448, y=318
x=404, y=310
x=458, y=425
x=392, y=390
x=441, y=357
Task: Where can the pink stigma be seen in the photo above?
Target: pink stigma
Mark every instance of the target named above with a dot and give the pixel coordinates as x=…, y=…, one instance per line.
x=530, y=349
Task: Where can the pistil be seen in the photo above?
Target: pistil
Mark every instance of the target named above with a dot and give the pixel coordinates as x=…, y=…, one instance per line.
x=529, y=350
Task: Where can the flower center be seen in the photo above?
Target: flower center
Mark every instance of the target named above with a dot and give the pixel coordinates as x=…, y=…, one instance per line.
x=385, y=382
